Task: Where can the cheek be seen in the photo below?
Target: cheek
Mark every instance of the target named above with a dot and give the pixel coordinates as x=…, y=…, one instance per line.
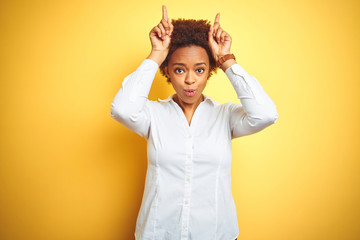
x=177, y=79
x=204, y=79
x=203, y=84
x=176, y=83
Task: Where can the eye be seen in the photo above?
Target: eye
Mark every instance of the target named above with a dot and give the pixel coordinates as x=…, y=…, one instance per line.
x=200, y=70
x=179, y=70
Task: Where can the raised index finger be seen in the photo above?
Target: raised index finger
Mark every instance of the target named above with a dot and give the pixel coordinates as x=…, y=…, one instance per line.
x=164, y=12
x=217, y=18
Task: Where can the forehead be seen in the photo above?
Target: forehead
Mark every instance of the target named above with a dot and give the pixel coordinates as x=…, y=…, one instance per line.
x=189, y=55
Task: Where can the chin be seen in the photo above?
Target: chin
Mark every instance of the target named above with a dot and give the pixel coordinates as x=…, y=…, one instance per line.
x=190, y=100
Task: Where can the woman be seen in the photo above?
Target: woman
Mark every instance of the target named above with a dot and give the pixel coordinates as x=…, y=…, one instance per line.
x=187, y=191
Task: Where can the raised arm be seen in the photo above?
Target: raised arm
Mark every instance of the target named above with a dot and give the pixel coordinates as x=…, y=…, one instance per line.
x=257, y=110
x=129, y=105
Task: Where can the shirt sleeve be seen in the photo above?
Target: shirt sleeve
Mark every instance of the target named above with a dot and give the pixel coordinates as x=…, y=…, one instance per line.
x=256, y=111
x=129, y=106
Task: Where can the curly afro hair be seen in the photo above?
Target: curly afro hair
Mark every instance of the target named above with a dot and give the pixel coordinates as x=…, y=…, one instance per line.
x=189, y=32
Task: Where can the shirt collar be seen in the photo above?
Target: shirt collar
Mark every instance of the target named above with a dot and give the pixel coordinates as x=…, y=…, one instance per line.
x=170, y=98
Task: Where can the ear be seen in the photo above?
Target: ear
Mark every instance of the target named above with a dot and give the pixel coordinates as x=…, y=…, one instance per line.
x=166, y=70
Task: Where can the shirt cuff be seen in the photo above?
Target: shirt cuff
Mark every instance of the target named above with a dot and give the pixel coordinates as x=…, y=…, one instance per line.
x=235, y=69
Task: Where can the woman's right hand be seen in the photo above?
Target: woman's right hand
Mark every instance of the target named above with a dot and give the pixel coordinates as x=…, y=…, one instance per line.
x=160, y=38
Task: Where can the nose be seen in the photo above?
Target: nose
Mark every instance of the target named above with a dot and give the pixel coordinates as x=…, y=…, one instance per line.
x=189, y=79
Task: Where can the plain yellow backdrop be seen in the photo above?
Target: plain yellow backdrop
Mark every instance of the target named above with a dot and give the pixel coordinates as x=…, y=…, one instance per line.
x=68, y=171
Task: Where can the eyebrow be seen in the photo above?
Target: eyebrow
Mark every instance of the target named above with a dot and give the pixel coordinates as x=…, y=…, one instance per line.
x=183, y=64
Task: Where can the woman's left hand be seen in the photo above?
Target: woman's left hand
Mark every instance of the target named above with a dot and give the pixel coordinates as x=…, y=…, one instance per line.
x=219, y=40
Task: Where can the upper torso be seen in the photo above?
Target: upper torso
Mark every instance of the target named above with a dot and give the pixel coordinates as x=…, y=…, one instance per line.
x=188, y=184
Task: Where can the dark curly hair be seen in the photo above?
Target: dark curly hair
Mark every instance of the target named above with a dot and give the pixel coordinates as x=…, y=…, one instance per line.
x=189, y=32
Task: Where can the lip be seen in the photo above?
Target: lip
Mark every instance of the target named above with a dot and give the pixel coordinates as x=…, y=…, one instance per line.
x=190, y=92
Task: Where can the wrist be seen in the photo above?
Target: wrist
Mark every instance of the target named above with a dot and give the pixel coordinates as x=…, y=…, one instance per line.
x=227, y=64
x=225, y=60
x=223, y=54
x=157, y=56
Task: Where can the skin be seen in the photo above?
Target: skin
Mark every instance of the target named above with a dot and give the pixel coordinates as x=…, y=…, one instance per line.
x=188, y=67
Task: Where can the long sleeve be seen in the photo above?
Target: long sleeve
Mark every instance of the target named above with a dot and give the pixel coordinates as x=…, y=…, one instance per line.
x=256, y=111
x=129, y=105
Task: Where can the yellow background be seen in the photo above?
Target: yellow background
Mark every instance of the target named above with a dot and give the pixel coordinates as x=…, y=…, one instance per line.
x=68, y=171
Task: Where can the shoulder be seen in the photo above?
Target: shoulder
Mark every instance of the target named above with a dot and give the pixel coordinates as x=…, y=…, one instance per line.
x=221, y=106
x=158, y=105
x=213, y=103
x=227, y=109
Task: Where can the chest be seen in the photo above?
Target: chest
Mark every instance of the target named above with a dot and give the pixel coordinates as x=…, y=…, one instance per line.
x=206, y=140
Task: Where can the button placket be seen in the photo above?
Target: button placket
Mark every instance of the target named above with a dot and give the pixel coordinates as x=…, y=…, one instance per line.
x=187, y=184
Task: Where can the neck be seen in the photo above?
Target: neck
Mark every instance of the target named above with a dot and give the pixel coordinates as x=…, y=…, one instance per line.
x=186, y=107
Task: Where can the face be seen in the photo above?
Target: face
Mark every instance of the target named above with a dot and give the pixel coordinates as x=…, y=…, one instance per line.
x=188, y=69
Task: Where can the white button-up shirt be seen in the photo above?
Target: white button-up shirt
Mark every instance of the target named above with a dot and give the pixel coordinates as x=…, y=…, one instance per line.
x=187, y=191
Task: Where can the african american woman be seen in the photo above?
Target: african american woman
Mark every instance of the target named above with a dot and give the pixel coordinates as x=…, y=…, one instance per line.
x=187, y=191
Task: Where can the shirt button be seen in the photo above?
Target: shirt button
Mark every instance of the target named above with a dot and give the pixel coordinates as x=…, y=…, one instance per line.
x=187, y=179
x=186, y=202
x=189, y=137
x=184, y=227
x=189, y=156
